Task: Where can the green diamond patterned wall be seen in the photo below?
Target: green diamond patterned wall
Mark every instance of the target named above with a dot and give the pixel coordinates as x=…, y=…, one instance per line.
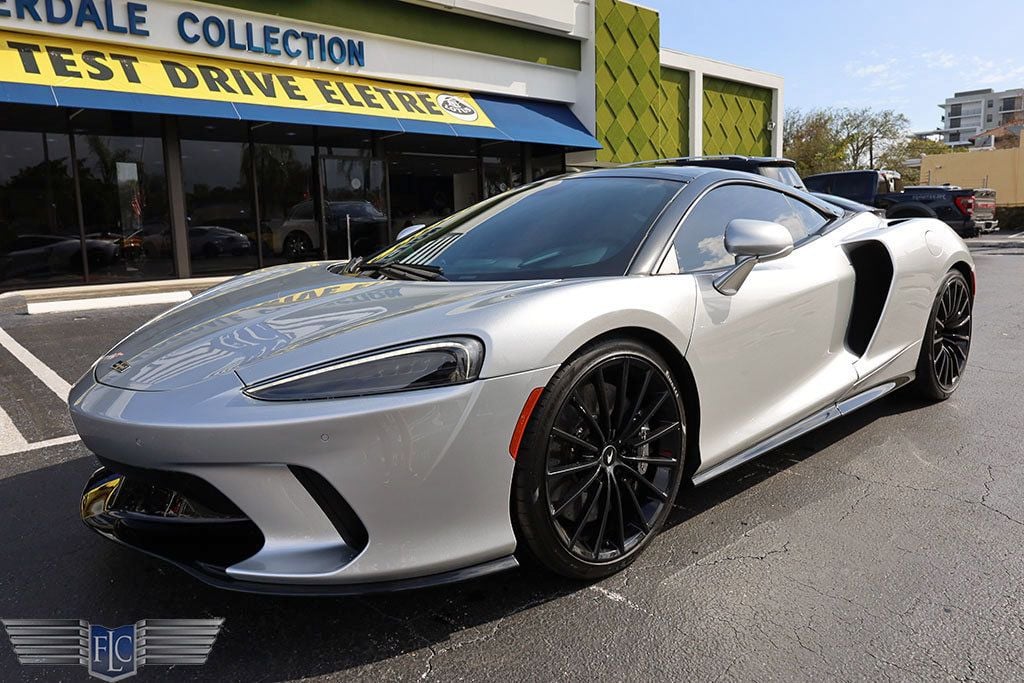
x=628, y=81
x=675, y=113
x=736, y=118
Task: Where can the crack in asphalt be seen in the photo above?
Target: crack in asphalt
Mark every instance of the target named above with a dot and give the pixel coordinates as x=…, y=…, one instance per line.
x=410, y=629
x=433, y=651
x=736, y=558
x=906, y=487
x=853, y=506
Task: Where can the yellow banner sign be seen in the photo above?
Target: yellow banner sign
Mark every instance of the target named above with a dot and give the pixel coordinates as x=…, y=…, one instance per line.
x=49, y=61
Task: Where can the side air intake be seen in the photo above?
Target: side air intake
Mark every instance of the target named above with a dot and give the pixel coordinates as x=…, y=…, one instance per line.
x=873, y=273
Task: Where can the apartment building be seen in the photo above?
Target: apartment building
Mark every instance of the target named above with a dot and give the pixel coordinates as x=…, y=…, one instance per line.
x=970, y=112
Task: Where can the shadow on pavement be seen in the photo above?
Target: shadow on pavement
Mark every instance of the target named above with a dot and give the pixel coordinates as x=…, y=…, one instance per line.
x=54, y=568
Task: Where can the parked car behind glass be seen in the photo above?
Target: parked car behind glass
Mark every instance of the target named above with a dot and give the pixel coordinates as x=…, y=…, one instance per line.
x=299, y=236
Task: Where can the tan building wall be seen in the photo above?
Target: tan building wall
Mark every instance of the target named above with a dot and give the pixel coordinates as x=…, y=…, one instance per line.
x=1000, y=169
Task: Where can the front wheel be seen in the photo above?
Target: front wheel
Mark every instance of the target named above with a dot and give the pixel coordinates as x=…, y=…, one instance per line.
x=297, y=246
x=601, y=462
x=947, y=340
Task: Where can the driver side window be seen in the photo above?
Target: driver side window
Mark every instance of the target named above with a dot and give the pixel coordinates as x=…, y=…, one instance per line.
x=700, y=242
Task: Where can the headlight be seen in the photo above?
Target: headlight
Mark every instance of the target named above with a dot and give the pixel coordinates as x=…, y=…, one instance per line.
x=438, y=363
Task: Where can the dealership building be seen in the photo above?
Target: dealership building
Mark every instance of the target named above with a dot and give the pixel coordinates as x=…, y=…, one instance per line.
x=155, y=139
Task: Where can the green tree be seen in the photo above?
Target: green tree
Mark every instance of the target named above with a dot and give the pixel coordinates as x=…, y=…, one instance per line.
x=868, y=134
x=825, y=140
x=811, y=140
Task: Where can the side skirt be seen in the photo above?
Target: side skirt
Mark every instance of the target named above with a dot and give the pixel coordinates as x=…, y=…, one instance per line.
x=822, y=417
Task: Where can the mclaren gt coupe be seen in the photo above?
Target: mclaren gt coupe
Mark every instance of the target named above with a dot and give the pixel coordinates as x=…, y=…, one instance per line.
x=535, y=376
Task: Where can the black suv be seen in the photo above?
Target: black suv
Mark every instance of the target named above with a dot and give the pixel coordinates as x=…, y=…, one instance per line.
x=776, y=168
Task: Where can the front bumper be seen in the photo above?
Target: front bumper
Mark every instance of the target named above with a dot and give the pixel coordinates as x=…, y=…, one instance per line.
x=317, y=497
x=202, y=547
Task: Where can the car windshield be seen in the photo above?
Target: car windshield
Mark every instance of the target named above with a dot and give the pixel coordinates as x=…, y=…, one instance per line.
x=562, y=228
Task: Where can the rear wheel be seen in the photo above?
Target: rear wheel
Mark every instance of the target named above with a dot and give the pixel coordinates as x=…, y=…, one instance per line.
x=947, y=340
x=602, y=460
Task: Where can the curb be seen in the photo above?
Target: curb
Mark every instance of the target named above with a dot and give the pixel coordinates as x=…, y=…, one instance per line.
x=94, y=297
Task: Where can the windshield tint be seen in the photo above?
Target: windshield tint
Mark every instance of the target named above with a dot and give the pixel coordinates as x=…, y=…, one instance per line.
x=784, y=174
x=563, y=228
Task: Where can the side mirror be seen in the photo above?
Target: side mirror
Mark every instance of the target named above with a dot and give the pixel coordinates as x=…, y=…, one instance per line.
x=751, y=242
x=405, y=232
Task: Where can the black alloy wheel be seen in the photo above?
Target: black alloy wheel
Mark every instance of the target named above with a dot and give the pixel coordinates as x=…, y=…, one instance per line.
x=947, y=341
x=296, y=246
x=604, y=461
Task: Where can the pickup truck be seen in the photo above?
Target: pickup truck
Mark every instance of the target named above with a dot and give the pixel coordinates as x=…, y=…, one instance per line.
x=883, y=189
x=985, y=209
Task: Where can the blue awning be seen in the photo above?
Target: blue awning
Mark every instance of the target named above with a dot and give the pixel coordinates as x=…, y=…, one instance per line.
x=515, y=120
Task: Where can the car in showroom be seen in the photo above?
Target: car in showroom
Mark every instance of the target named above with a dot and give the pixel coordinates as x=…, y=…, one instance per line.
x=38, y=255
x=534, y=376
x=356, y=227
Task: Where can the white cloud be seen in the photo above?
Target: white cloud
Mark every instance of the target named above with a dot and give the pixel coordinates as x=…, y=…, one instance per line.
x=1000, y=75
x=887, y=75
x=863, y=71
x=939, y=58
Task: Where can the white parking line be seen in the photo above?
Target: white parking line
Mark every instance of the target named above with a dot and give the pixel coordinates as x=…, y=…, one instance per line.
x=51, y=379
x=11, y=439
x=12, y=442
x=1019, y=235
x=65, y=306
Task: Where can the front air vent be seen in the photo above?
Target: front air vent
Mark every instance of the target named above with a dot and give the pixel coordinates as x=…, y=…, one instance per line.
x=337, y=509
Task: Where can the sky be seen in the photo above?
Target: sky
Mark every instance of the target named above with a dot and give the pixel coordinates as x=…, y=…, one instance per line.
x=906, y=55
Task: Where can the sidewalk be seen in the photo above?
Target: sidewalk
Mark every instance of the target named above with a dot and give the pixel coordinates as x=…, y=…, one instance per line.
x=90, y=297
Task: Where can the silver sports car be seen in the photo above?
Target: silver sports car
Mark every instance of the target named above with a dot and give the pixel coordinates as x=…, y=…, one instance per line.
x=535, y=375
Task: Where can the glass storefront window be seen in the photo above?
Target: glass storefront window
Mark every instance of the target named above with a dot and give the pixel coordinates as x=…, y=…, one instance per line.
x=285, y=189
x=217, y=171
x=503, y=167
x=255, y=193
x=355, y=221
x=430, y=177
x=40, y=240
x=546, y=162
x=124, y=195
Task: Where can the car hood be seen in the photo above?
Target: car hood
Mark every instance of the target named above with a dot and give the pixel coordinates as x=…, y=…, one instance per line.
x=283, y=319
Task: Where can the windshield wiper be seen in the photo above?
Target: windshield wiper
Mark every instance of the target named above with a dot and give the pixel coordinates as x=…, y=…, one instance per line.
x=404, y=271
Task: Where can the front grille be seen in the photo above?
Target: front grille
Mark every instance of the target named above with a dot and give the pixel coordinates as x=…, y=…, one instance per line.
x=175, y=516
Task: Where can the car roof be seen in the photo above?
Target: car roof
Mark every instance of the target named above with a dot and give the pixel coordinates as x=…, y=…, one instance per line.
x=706, y=175
x=680, y=173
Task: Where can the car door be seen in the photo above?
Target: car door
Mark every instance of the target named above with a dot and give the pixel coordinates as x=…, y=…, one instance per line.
x=773, y=353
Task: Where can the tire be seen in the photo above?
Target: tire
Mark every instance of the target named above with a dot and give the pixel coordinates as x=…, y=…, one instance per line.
x=579, y=473
x=947, y=340
x=211, y=251
x=910, y=210
x=296, y=245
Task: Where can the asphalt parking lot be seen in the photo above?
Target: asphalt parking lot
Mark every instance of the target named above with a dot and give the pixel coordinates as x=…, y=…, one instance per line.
x=887, y=545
